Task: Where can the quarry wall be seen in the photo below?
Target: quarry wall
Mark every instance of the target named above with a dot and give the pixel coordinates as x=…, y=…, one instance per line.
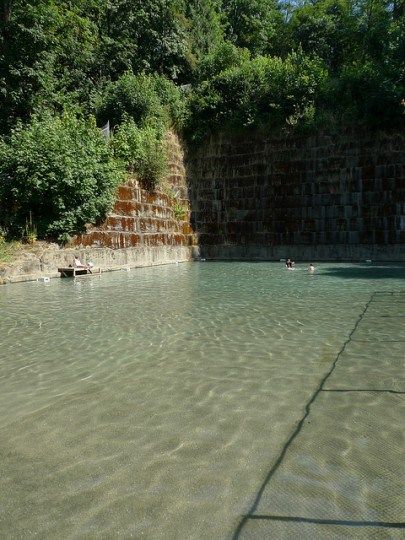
x=326, y=197
x=331, y=197
x=142, y=219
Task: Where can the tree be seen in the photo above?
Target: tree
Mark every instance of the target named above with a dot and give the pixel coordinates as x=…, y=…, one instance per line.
x=253, y=24
x=206, y=26
x=146, y=35
x=60, y=170
x=326, y=28
x=226, y=55
x=48, y=51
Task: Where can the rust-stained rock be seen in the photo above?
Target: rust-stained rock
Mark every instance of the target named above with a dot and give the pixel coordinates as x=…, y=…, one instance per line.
x=140, y=217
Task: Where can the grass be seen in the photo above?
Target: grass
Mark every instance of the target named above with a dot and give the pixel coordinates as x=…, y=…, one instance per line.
x=179, y=211
x=10, y=251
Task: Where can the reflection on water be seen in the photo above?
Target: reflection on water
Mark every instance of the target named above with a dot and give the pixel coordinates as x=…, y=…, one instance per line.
x=153, y=402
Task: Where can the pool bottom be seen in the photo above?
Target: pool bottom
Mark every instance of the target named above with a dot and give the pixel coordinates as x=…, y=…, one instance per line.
x=340, y=475
x=153, y=403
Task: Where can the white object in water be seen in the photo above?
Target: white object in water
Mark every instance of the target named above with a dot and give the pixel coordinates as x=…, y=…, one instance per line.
x=202, y=260
x=46, y=279
x=127, y=268
x=368, y=260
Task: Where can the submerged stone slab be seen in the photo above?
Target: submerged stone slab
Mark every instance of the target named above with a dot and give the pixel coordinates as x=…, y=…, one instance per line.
x=378, y=366
x=281, y=530
x=390, y=329
x=344, y=466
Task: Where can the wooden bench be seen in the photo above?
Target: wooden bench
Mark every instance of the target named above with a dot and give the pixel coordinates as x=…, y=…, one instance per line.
x=72, y=271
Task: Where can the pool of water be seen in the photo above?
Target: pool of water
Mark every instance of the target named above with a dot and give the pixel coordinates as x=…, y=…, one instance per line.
x=154, y=402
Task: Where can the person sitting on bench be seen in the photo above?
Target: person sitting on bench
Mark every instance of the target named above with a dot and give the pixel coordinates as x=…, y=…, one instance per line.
x=78, y=264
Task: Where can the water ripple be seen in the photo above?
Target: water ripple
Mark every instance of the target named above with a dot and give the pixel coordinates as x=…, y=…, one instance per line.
x=151, y=403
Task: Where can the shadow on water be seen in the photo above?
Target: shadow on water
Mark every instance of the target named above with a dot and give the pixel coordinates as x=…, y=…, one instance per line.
x=392, y=271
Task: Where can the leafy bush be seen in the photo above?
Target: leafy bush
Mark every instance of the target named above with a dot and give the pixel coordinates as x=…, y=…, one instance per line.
x=260, y=92
x=223, y=57
x=364, y=91
x=131, y=95
x=144, y=98
x=142, y=150
x=171, y=100
x=60, y=169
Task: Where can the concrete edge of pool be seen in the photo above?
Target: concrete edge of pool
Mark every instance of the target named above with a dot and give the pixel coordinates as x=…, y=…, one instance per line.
x=191, y=256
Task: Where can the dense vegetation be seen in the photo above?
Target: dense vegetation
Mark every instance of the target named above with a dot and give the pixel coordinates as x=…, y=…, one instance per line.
x=193, y=65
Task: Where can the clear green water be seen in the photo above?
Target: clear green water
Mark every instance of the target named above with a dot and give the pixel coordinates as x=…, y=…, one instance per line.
x=153, y=403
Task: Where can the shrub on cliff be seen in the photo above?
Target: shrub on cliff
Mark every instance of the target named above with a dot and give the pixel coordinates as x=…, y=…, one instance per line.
x=366, y=91
x=172, y=101
x=263, y=92
x=142, y=150
x=144, y=98
x=61, y=170
x=225, y=56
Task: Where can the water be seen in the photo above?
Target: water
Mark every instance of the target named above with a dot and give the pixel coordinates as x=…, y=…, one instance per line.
x=153, y=403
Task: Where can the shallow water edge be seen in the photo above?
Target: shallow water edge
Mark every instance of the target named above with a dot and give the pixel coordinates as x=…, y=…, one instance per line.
x=33, y=267
x=45, y=263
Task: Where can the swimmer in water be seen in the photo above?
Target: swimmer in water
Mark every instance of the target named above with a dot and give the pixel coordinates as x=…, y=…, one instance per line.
x=311, y=268
x=289, y=264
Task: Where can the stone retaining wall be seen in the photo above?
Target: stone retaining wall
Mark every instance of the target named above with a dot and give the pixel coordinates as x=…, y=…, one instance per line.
x=144, y=219
x=252, y=195
x=47, y=262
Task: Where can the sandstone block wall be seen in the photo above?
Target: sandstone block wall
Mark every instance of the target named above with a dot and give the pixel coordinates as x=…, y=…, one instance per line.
x=140, y=218
x=148, y=220
x=343, y=190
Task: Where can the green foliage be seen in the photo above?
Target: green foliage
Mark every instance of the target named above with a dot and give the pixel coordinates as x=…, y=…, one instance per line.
x=224, y=56
x=144, y=98
x=60, y=169
x=171, y=100
x=179, y=211
x=253, y=24
x=47, y=53
x=205, y=23
x=261, y=92
x=373, y=28
x=142, y=150
x=365, y=92
x=146, y=35
x=327, y=29
x=394, y=60
x=131, y=95
x=65, y=55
